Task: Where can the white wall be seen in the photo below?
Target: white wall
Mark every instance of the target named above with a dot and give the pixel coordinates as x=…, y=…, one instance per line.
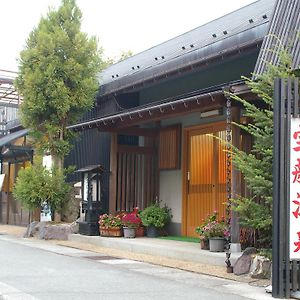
x=170, y=192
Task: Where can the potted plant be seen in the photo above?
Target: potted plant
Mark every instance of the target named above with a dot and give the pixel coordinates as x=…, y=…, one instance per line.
x=204, y=240
x=216, y=231
x=155, y=217
x=203, y=234
x=140, y=230
x=110, y=225
x=130, y=222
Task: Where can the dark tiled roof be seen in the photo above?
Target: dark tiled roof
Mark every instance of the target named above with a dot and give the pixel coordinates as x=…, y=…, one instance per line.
x=237, y=29
x=284, y=28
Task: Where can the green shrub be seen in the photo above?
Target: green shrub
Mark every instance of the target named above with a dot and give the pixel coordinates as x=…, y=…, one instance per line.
x=156, y=216
x=35, y=185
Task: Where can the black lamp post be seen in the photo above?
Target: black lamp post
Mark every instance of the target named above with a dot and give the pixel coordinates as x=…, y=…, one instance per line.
x=91, y=178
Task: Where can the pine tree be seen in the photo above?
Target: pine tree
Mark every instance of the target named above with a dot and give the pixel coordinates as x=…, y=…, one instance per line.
x=255, y=212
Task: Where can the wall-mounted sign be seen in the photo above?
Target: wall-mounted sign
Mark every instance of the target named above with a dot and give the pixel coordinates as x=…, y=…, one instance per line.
x=294, y=214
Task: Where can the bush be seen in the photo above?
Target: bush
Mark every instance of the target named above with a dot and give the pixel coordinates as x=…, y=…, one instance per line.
x=36, y=185
x=156, y=216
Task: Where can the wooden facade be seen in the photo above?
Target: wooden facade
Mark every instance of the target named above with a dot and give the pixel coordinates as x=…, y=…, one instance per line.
x=174, y=112
x=18, y=155
x=158, y=128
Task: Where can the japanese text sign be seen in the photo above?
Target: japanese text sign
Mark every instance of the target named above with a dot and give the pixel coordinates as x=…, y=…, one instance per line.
x=294, y=214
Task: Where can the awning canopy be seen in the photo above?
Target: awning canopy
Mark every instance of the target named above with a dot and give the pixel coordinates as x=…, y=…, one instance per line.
x=91, y=169
x=14, y=153
x=12, y=136
x=203, y=101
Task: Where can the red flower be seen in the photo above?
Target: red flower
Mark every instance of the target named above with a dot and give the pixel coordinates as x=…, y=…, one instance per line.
x=131, y=220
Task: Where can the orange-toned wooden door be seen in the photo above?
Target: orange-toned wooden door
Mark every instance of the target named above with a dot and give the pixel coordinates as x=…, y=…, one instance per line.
x=206, y=175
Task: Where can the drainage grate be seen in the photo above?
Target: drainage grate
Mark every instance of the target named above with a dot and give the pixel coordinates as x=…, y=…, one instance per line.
x=102, y=257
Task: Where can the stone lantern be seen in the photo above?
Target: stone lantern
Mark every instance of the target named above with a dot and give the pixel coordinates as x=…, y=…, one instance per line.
x=91, y=179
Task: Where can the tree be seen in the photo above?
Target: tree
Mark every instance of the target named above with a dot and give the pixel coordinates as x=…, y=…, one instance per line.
x=36, y=185
x=256, y=211
x=125, y=54
x=57, y=78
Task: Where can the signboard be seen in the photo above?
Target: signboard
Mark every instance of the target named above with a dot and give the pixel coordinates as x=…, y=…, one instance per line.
x=294, y=213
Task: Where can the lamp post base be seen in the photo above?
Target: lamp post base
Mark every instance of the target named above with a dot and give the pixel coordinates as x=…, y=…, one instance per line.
x=88, y=228
x=235, y=247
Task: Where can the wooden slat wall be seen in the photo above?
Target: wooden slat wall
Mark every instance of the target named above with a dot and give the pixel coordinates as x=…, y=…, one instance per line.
x=169, y=147
x=220, y=183
x=136, y=184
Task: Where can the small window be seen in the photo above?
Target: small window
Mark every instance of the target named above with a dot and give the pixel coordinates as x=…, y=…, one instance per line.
x=169, y=147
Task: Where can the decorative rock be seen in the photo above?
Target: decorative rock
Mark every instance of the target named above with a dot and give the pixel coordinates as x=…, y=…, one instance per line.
x=249, y=251
x=56, y=232
x=261, y=268
x=48, y=231
x=41, y=230
x=242, y=265
x=32, y=229
x=74, y=227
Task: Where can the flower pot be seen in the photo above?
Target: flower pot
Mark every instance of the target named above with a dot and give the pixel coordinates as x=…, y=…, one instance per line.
x=216, y=244
x=140, y=231
x=113, y=232
x=152, y=231
x=204, y=244
x=129, y=232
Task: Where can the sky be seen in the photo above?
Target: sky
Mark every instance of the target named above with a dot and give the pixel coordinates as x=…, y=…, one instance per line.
x=119, y=25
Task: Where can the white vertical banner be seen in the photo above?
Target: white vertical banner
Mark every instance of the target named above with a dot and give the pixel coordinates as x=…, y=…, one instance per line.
x=47, y=162
x=294, y=213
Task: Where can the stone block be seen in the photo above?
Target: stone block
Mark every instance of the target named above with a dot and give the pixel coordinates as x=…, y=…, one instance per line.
x=32, y=229
x=261, y=268
x=242, y=265
x=57, y=232
x=74, y=227
x=250, y=251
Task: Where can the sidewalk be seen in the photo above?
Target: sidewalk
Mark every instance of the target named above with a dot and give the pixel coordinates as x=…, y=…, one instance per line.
x=176, y=254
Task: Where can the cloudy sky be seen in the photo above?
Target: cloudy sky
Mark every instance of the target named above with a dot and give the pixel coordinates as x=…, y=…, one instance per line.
x=120, y=25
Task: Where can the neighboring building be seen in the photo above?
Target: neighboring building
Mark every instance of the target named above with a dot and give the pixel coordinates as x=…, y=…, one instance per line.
x=15, y=151
x=157, y=113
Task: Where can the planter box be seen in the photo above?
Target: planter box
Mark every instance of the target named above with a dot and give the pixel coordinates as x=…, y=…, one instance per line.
x=112, y=232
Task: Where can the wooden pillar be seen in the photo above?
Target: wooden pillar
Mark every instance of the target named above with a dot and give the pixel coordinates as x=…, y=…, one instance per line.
x=8, y=199
x=236, y=176
x=113, y=173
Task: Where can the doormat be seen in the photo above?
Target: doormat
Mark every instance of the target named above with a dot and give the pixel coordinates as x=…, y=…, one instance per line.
x=181, y=238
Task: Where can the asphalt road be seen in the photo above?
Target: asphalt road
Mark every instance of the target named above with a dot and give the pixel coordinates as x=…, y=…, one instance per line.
x=31, y=269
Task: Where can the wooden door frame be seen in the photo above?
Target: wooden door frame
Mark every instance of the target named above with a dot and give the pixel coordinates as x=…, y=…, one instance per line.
x=185, y=152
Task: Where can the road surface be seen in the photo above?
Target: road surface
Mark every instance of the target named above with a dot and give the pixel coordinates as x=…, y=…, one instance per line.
x=32, y=269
